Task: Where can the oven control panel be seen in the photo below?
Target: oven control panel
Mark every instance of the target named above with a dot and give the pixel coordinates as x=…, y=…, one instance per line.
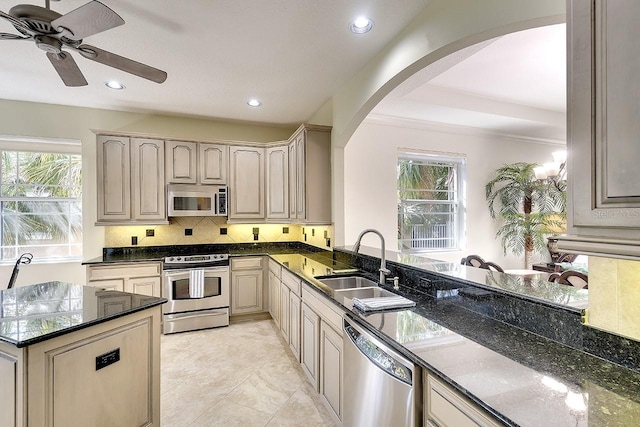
x=197, y=259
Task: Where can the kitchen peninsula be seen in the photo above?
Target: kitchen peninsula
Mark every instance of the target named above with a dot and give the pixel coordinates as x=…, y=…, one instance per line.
x=76, y=355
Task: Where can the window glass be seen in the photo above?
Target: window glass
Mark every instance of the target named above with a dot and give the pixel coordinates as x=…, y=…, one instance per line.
x=430, y=210
x=40, y=205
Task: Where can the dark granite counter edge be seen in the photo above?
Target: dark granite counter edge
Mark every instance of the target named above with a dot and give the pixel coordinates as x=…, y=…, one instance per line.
x=88, y=324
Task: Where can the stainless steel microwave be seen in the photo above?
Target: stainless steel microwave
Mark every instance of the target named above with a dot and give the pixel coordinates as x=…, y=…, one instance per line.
x=197, y=200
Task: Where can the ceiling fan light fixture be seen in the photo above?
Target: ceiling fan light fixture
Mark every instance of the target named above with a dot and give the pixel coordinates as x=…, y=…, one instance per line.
x=361, y=25
x=115, y=85
x=254, y=103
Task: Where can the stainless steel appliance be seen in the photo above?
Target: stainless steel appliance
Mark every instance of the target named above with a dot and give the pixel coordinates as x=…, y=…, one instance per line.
x=196, y=200
x=197, y=290
x=381, y=387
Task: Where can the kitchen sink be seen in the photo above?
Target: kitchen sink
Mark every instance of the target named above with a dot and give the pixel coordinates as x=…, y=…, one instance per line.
x=347, y=282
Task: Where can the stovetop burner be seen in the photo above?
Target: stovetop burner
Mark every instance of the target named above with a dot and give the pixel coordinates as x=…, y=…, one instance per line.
x=193, y=261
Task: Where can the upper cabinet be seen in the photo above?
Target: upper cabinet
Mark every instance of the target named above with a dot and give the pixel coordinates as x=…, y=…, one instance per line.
x=246, y=183
x=278, y=183
x=603, y=121
x=310, y=175
x=130, y=180
x=196, y=162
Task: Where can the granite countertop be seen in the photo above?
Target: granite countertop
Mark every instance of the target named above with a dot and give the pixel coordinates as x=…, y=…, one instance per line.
x=521, y=378
x=35, y=313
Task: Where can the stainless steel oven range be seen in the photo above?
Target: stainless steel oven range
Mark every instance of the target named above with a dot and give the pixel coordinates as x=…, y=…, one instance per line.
x=197, y=290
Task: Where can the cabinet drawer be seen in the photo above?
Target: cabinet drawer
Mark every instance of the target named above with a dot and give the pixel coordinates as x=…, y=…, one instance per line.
x=291, y=281
x=446, y=408
x=332, y=316
x=104, y=272
x=246, y=263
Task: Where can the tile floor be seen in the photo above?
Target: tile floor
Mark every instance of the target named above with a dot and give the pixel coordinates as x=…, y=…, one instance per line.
x=241, y=375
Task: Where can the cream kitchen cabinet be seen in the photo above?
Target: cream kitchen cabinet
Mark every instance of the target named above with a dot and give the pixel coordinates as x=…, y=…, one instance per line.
x=130, y=180
x=444, y=407
x=310, y=175
x=603, y=120
x=196, y=162
x=246, y=183
x=247, y=276
x=278, y=183
x=274, y=291
x=322, y=348
x=137, y=277
x=290, y=311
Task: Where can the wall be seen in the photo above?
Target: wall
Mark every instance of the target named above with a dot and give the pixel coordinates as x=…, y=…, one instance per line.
x=370, y=183
x=209, y=230
x=54, y=121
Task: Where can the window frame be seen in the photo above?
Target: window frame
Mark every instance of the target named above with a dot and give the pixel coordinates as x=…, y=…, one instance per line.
x=458, y=161
x=44, y=145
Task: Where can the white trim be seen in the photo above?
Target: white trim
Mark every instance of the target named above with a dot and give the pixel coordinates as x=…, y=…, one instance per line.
x=37, y=144
x=403, y=122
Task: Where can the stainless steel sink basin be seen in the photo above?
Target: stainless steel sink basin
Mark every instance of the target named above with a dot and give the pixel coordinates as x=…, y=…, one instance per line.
x=347, y=282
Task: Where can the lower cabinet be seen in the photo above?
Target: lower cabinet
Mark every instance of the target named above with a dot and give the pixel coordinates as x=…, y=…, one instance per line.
x=137, y=277
x=309, y=351
x=331, y=368
x=246, y=285
x=294, y=324
x=274, y=296
x=284, y=312
x=444, y=407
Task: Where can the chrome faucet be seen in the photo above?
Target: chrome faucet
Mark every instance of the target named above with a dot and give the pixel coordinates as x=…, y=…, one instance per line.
x=383, y=262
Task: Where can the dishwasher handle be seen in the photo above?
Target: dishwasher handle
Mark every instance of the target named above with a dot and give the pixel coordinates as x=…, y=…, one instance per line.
x=378, y=354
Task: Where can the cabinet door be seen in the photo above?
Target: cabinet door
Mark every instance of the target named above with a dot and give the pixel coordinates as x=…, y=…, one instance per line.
x=145, y=286
x=11, y=402
x=292, y=160
x=278, y=183
x=284, y=312
x=309, y=351
x=181, y=161
x=213, y=159
x=331, y=369
x=301, y=187
x=603, y=121
x=114, y=178
x=147, y=166
x=118, y=394
x=294, y=324
x=246, y=184
x=246, y=292
x=274, y=297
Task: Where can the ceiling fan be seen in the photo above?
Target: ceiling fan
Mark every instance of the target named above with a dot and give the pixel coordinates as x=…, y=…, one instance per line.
x=52, y=32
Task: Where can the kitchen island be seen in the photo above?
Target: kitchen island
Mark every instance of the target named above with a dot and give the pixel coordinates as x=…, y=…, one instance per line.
x=73, y=355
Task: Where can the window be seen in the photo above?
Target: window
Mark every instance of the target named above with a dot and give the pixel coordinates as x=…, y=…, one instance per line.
x=430, y=208
x=40, y=203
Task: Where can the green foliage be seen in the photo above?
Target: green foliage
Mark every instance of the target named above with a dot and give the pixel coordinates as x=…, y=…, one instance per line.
x=529, y=209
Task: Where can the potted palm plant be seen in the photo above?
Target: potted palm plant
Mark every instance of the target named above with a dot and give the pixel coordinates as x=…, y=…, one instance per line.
x=529, y=209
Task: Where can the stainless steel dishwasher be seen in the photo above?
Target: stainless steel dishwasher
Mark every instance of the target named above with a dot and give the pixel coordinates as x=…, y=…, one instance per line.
x=381, y=387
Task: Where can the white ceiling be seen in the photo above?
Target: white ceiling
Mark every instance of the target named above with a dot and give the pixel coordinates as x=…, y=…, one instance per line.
x=291, y=54
x=514, y=85
x=294, y=55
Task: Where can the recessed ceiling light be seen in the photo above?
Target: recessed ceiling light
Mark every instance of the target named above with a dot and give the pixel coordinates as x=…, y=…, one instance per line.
x=112, y=84
x=254, y=103
x=361, y=25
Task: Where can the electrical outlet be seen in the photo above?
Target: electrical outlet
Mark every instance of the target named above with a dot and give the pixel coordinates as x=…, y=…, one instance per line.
x=223, y=231
x=255, y=237
x=256, y=230
x=150, y=232
x=326, y=234
x=328, y=243
x=285, y=230
x=134, y=240
x=188, y=231
x=313, y=232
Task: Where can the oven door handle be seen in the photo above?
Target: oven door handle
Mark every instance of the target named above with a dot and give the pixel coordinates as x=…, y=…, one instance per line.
x=193, y=315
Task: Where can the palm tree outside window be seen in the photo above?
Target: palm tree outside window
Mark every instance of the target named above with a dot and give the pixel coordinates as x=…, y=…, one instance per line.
x=40, y=204
x=430, y=202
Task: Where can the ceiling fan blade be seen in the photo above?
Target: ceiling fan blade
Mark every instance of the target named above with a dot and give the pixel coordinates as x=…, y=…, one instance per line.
x=7, y=36
x=92, y=18
x=14, y=21
x=67, y=69
x=122, y=63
